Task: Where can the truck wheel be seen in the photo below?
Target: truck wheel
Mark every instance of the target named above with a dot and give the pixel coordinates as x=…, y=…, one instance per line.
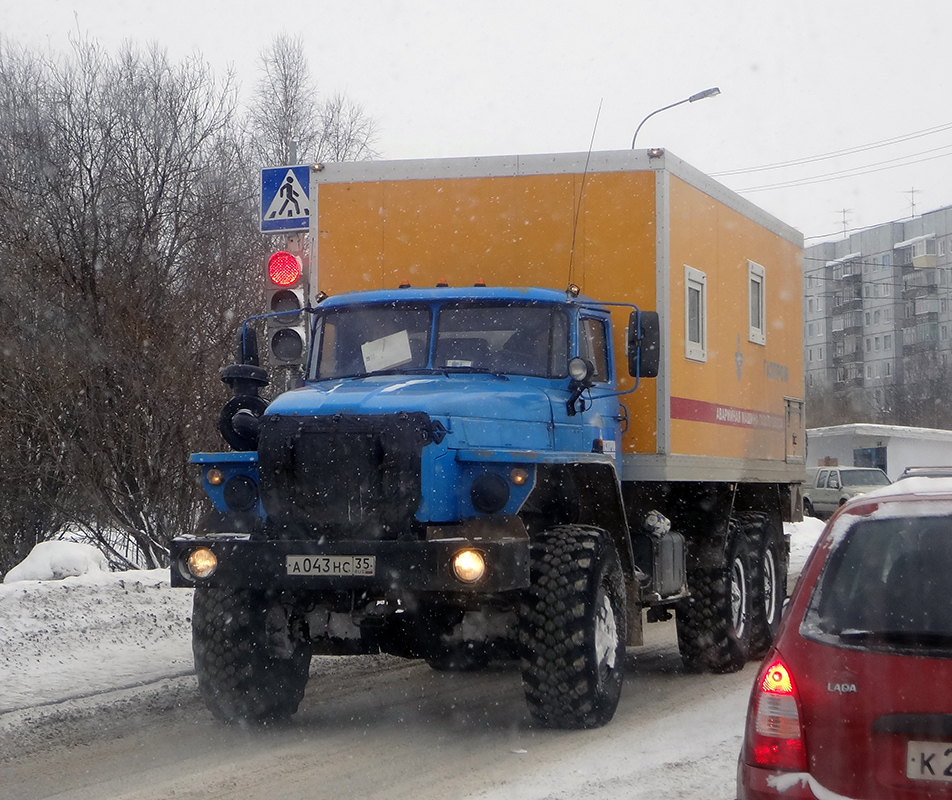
x=249, y=668
x=572, y=628
x=808, y=508
x=768, y=582
x=714, y=624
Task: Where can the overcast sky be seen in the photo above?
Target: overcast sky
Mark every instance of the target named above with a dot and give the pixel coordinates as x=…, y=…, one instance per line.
x=798, y=80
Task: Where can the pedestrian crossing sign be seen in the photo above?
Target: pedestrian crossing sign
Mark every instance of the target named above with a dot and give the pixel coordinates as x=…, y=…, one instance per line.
x=285, y=199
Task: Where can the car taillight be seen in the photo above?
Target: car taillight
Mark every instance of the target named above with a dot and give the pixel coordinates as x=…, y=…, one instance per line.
x=774, y=734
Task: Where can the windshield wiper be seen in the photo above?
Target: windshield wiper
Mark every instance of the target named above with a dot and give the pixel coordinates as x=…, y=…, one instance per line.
x=474, y=371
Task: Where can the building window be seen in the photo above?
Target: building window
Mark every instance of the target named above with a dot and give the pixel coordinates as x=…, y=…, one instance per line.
x=695, y=314
x=876, y=317
x=811, y=331
x=868, y=318
x=888, y=368
x=756, y=303
x=810, y=305
x=877, y=343
x=887, y=341
x=820, y=354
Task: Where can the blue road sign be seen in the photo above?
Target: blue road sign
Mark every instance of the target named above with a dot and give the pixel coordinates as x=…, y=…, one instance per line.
x=285, y=199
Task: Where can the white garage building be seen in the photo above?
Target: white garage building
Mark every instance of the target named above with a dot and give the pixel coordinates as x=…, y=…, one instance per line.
x=892, y=448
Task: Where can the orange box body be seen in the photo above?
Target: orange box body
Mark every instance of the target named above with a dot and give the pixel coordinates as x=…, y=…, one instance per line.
x=624, y=226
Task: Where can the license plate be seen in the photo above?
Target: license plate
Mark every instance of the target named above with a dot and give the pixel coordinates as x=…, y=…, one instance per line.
x=332, y=566
x=929, y=761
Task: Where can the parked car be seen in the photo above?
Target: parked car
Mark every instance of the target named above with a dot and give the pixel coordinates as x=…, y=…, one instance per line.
x=854, y=699
x=827, y=488
x=926, y=472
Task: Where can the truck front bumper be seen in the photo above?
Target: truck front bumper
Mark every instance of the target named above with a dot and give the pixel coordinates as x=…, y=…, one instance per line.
x=373, y=566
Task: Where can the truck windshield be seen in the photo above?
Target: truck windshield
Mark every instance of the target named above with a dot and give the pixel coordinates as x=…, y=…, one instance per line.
x=864, y=477
x=510, y=338
x=360, y=340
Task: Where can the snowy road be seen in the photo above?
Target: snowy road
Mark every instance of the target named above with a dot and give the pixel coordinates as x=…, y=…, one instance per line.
x=97, y=700
x=384, y=728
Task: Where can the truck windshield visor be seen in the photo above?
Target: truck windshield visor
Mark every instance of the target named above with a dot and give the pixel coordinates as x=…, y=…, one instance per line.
x=362, y=340
x=512, y=339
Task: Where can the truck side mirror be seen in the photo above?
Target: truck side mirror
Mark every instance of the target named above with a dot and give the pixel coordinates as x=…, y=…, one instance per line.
x=644, y=344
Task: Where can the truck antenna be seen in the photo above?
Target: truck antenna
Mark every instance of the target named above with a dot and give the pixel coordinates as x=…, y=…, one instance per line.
x=578, y=205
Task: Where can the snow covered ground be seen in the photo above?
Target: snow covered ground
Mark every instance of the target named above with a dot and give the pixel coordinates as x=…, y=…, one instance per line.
x=72, y=645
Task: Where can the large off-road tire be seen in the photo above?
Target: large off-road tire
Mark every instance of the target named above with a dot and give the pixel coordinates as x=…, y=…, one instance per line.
x=768, y=582
x=713, y=624
x=249, y=667
x=572, y=628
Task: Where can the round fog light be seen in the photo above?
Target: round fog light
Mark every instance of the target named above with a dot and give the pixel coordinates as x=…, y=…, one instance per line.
x=489, y=493
x=201, y=562
x=469, y=565
x=215, y=476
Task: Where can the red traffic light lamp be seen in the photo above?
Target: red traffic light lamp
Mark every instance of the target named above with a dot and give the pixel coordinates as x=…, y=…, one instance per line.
x=284, y=269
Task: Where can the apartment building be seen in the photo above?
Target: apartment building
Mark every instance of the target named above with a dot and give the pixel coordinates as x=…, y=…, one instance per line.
x=877, y=323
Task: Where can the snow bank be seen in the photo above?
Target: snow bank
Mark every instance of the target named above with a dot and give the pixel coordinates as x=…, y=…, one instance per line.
x=88, y=634
x=53, y=561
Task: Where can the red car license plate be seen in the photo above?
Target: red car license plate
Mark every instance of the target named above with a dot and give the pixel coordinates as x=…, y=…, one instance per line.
x=929, y=761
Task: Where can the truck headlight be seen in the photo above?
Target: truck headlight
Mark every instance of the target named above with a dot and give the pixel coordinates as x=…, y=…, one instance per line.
x=201, y=562
x=469, y=565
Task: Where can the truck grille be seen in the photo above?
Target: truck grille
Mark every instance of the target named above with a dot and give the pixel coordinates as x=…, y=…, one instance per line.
x=342, y=477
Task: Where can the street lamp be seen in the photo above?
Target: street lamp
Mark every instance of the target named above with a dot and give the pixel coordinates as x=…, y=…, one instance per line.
x=712, y=92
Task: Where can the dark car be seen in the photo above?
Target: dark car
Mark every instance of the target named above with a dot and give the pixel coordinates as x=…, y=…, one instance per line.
x=854, y=699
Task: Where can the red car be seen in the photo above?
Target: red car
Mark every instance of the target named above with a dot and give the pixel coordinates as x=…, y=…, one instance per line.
x=854, y=699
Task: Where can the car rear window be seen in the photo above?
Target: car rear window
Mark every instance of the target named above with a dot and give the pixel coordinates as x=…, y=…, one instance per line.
x=885, y=585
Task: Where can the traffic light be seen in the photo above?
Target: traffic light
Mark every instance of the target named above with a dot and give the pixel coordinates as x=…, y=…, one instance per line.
x=285, y=291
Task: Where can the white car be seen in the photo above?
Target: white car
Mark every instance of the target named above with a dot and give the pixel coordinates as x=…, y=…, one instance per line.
x=827, y=488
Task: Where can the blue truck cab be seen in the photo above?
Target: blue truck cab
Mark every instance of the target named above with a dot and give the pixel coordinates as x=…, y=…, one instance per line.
x=444, y=446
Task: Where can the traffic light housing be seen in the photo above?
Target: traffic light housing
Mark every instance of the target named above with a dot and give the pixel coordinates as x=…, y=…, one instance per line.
x=285, y=292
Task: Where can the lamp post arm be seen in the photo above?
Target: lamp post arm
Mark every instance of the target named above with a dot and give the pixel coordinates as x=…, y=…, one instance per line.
x=656, y=111
x=712, y=92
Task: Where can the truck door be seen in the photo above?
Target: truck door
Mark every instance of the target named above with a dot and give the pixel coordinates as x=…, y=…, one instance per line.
x=596, y=427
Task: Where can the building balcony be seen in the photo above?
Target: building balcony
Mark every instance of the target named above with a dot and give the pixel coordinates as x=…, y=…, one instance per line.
x=852, y=357
x=927, y=318
x=845, y=306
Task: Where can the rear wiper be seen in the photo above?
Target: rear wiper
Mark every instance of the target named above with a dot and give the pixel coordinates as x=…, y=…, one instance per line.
x=924, y=638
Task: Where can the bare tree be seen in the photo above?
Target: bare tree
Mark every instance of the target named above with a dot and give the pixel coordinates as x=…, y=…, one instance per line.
x=347, y=133
x=286, y=111
x=127, y=248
